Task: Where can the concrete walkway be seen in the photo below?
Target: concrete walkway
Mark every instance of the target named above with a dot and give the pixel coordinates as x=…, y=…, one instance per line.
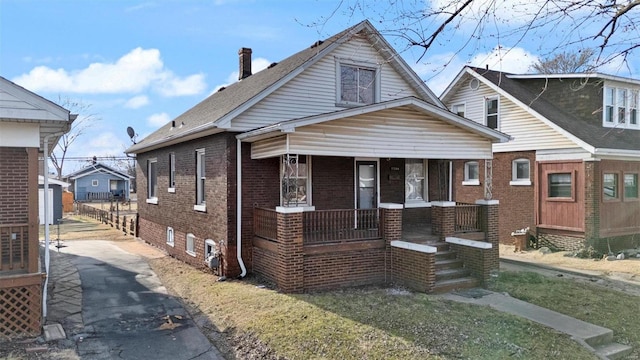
x=112, y=306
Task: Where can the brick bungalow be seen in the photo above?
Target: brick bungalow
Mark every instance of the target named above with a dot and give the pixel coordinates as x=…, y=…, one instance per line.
x=570, y=173
x=27, y=121
x=329, y=168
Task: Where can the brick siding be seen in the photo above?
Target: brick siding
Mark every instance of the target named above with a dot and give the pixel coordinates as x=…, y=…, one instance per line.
x=413, y=269
x=14, y=190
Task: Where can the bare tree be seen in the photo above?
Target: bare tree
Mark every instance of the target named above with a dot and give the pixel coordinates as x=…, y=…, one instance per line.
x=565, y=63
x=84, y=120
x=609, y=26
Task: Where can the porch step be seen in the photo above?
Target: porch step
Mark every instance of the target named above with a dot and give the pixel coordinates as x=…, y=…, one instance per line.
x=448, y=264
x=441, y=246
x=455, y=284
x=444, y=255
x=475, y=235
x=450, y=274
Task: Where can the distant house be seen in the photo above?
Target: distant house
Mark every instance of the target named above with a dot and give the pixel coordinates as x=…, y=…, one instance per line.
x=99, y=182
x=316, y=172
x=56, y=187
x=27, y=123
x=571, y=172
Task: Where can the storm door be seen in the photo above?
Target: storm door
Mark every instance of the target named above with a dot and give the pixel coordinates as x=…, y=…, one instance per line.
x=367, y=191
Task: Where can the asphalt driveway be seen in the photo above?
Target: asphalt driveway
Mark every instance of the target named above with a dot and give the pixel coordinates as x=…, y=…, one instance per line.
x=127, y=313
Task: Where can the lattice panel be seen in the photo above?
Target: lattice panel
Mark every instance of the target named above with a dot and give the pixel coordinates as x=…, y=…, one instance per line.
x=20, y=311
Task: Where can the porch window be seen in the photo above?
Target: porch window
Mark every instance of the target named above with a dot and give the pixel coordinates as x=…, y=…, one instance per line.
x=415, y=180
x=520, y=172
x=200, y=181
x=458, y=109
x=172, y=172
x=633, y=108
x=170, y=236
x=152, y=181
x=560, y=186
x=630, y=186
x=471, y=173
x=357, y=84
x=190, y=244
x=609, y=104
x=610, y=186
x=94, y=182
x=491, y=112
x=296, y=184
x=622, y=106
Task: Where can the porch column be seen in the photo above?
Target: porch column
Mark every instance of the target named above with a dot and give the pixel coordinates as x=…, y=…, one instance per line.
x=443, y=218
x=33, y=234
x=290, y=249
x=391, y=226
x=592, y=191
x=490, y=227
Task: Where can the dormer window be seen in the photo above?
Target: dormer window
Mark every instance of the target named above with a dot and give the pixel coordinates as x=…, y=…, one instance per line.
x=620, y=107
x=357, y=85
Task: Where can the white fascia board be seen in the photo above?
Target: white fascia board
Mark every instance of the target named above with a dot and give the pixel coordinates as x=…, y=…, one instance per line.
x=617, y=154
x=575, y=76
x=195, y=133
x=533, y=113
x=98, y=169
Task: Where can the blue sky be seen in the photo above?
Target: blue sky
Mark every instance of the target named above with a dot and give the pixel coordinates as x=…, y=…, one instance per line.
x=143, y=63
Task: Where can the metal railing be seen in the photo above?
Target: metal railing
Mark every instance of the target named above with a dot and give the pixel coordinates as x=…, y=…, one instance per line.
x=265, y=223
x=327, y=226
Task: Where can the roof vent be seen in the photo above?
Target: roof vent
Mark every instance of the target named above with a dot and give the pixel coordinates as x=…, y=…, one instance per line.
x=317, y=43
x=221, y=88
x=272, y=65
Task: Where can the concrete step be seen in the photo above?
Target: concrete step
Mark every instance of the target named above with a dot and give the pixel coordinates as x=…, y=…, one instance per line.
x=613, y=351
x=475, y=235
x=602, y=337
x=440, y=245
x=449, y=274
x=454, y=284
x=448, y=264
x=444, y=255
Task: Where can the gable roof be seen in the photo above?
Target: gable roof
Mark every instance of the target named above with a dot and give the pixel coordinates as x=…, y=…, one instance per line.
x=214, y=114
x=53, y=182
x=99, y=167
x=412, y=102
x=591, y=136
x=23, y=106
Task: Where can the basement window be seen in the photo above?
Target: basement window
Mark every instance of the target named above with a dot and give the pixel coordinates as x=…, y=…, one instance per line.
x=190, y=245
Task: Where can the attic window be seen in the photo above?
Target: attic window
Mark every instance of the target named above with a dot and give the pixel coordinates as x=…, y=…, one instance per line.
x=357, y=85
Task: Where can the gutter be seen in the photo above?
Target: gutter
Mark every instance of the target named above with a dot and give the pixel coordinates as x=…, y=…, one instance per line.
x=239, y=207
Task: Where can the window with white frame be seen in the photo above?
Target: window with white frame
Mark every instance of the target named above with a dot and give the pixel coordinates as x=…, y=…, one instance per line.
x=415, y=181
x=94, y=182
x=491, y=112
x=152, y=181
x=520, y=172
x=458, y=109
x=621, y=107
x=170, y=236
x=172, y=172
x=610, y=186
x=357, y=84
x=471, y=173
x=191, y=244
x=296, y=181
x=200, y=181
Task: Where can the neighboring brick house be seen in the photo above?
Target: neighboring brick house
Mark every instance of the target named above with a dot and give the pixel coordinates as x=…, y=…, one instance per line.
x=26, y=122
x=570, y=173
x=305, y=171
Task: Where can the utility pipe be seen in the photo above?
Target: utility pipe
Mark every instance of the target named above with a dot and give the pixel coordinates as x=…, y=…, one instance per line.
x=239, y=207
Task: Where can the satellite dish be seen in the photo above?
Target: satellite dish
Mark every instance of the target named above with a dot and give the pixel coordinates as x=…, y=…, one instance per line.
x=131, y=133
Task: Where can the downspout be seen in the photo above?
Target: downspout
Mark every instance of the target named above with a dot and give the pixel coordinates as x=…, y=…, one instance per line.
x=239, y=207
x=46, y=220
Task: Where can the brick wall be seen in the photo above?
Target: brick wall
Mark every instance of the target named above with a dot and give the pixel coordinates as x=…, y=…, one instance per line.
x=14, y=190
x=480, y=262
x=413, y=269
x=560, y=241
x=344, y=269
x=333, y=182
x=517, y=203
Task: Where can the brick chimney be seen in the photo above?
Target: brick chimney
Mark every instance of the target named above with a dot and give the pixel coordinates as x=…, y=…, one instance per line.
x=245, y=63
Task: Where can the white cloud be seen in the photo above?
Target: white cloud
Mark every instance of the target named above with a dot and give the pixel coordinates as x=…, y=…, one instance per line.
x=134, y=72
x=158, y=120
x=514, y=60
x=137, y=102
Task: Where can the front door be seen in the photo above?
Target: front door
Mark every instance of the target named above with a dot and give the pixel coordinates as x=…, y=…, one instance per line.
x=367, y=190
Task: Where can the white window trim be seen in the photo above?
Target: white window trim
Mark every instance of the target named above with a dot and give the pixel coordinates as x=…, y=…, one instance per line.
x=94, y=182
x=425, y=196
x=154, y=199
x=364, y=65
x=467, y=181
x=172, y=170
x=171, y=235
x=309, y=202
x=486, y=109
x=463, y=104
x=200, y=205
x=630, y=93
x=191, y=252
x=514, y=173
